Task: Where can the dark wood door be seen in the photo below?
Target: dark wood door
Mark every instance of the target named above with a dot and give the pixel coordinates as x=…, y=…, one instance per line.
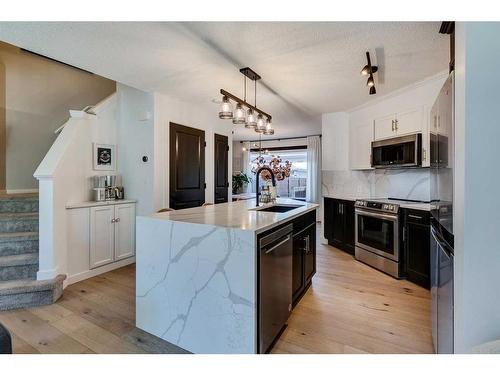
x=349, y=224
x=187, y=167
x=221, y=182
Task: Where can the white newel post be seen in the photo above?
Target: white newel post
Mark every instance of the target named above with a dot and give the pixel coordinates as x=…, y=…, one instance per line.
x=47, y=258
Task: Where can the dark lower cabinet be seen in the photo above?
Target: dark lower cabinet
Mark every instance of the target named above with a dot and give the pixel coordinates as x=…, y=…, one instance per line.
x=339, y=223
x=304, y=255
x=416, y=245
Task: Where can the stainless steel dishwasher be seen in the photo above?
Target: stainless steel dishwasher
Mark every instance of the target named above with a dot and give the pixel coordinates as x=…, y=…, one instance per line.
x=275, y=284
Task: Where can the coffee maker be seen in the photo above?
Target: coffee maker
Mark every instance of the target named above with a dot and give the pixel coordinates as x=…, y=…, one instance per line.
x=107, y=188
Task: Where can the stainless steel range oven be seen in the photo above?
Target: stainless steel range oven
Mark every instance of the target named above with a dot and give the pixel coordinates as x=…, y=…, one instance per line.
x=377, y=235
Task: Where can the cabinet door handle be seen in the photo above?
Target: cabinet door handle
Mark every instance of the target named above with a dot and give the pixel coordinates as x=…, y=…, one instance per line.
x=396, y=124
x=306, y=246
x=392, y=122
x=113, y=220
x=415, y=216
x=117, y=220
x=404, y=231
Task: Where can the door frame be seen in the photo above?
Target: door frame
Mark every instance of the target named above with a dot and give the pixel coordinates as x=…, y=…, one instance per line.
x=215, y=166
x=168, y=154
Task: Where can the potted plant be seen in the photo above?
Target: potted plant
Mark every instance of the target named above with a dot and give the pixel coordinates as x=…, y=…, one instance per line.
x=239, y=180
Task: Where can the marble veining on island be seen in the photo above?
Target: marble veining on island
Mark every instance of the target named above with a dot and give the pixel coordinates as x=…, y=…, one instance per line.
x=196, y=283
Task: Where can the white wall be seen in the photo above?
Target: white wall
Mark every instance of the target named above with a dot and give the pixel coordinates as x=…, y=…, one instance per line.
x=205, y=118
x=135, y=139
x=477, y=181
x=38, y=95
x=335, y=138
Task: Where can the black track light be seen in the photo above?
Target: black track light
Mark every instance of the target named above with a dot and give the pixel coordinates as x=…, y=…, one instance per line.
x=369, y=70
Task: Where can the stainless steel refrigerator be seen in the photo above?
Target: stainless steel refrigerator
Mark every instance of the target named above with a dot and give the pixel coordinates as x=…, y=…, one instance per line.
x=442, y=238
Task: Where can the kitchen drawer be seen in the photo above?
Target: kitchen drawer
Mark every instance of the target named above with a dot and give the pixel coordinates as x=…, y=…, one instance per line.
x=304, y=221
x=417, y=217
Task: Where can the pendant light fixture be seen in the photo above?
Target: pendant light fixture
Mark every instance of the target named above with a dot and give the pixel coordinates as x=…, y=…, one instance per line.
x=261, y=124
x=369, y=70
x=269, y=129
x=254, y=118
x=226, y=109
x=239, y=115
x=251, y=121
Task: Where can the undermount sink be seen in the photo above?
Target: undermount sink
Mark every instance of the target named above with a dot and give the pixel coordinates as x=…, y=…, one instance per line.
x=278, y=208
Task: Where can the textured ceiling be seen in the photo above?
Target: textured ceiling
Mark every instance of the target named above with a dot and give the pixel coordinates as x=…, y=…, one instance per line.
x=307, y=68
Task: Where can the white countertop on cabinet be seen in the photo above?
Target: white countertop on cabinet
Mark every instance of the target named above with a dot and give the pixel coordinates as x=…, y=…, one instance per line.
x=96, y=204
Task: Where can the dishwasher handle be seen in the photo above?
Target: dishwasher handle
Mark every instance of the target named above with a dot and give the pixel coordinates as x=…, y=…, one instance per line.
x=287, y=238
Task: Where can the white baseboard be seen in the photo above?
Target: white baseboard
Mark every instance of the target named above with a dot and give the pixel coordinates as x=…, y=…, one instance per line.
x=21, y=191
x=46, y=274
x=97, y=271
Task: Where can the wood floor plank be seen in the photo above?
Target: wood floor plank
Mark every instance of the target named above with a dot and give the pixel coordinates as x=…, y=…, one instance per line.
x=39, y=334
x=94, y=337
x=151, y=344
x=96, y=313
x=19, y=346
x=50, y=313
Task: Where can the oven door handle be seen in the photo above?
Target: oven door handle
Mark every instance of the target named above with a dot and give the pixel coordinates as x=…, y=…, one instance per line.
x=373, y=214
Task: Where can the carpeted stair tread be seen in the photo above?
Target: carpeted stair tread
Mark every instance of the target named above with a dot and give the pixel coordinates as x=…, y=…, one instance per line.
x=18, y=236
x=18, y=260
x=28, y=286
x=18, y=215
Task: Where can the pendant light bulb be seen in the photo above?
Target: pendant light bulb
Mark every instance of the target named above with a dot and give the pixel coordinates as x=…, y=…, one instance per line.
x=365, y=71
x=370, y=82
x=373, y=91
x=261, y=125
x=239, y=115
x=251, y=122
x=226, y=109
x=269, y=129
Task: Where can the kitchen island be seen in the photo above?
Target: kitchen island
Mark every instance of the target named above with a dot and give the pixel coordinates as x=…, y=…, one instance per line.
x=197, y=274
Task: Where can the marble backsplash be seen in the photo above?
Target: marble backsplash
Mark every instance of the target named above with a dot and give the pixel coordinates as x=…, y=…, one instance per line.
x=379, y=183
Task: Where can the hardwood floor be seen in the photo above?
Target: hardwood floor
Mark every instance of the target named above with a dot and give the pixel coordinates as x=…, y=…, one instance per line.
x=350, y=308
x=353, y=308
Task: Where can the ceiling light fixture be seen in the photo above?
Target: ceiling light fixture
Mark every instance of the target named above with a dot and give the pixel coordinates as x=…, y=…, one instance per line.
x=369, y=70
x=254, y=118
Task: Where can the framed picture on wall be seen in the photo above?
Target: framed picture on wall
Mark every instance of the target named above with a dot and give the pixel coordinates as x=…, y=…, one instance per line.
x=104, y=157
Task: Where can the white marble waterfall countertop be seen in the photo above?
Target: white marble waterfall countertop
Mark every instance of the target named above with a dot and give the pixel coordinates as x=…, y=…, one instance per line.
x=238, y=215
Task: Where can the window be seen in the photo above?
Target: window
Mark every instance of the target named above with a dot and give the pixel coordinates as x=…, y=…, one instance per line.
x=295, y=185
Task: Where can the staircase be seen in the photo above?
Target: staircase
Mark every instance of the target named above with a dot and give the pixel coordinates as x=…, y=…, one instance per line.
x=19, y=256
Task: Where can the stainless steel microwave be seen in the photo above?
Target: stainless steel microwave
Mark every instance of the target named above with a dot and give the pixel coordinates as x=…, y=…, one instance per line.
x=399, y=152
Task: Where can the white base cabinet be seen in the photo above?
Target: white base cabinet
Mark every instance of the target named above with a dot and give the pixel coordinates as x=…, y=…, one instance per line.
x=112, y=234
x=100, y=238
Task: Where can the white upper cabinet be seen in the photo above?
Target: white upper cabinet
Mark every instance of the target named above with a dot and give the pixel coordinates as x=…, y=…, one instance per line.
x=409, y=122
x=124, y=231
x=385, y=127
x=360, y=145
x=400, y=123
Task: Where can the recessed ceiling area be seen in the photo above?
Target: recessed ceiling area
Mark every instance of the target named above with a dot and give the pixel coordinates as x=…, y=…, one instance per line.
x=307, y=68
